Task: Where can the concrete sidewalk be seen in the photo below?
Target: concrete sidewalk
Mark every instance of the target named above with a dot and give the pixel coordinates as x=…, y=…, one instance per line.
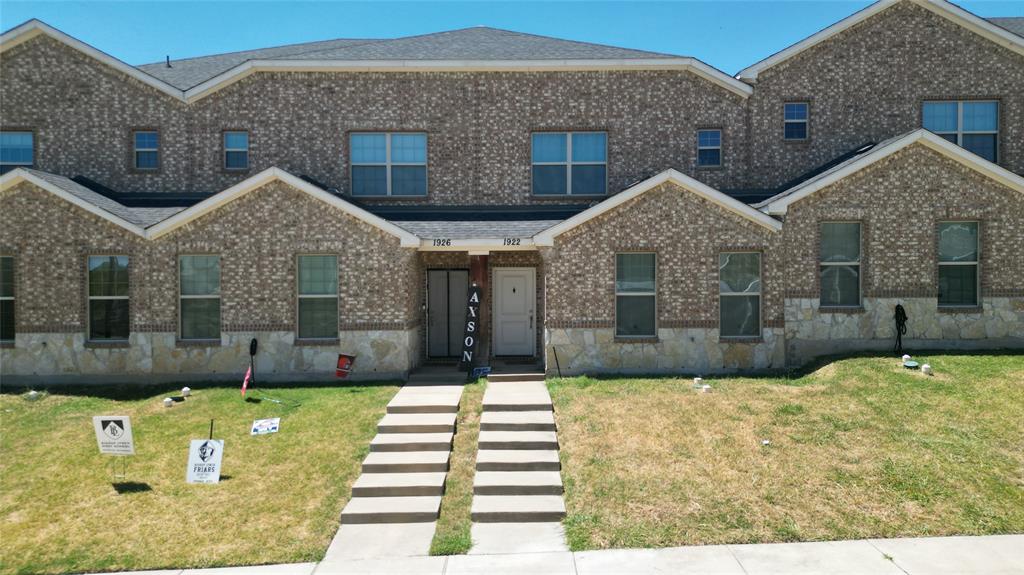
x=987, y=555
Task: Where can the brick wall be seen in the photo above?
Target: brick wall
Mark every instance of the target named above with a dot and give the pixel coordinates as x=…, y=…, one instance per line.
x=867, y=84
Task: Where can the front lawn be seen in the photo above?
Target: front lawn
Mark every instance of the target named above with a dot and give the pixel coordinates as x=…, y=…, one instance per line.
x=279, y=499
x=859, y=448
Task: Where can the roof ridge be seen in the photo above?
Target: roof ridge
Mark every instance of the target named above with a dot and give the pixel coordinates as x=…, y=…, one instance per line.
x=588, y=43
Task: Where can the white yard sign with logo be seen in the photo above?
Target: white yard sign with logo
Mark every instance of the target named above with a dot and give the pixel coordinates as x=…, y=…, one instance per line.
x=265, y=426
x=114, y=434
x=204, y=457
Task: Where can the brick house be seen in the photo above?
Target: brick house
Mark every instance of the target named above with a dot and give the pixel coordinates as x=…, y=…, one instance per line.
x=622, y=210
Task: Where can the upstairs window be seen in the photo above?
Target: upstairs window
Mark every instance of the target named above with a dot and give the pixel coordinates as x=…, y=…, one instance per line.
x=6, y=298
x=108, y=298
x=972, y=125
x=569, y=163
x=709, y=148
x=958, y=264
x=388, y=164
x=739, y=290
x=16, y=150
x=840, y=264
x=147, y=150
x=795, y=119
x=318, y=297
x=199, y=278
x=635, y=295
x=236, y=150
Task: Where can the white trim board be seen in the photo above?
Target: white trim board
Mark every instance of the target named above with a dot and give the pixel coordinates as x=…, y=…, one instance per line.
x=950, y=11
x=408, y=240
x=779, y=204
x=18, y=175
x=547, y=237
x=34, y=27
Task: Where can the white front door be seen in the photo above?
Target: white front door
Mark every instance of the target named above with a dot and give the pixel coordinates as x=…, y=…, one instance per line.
x=515, y=300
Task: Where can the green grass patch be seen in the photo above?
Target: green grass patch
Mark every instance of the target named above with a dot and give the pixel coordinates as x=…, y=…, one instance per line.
x=857, y=448
x=278, y=501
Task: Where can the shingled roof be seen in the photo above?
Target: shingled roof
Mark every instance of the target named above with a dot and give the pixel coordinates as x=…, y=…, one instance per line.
x=1015, y=25
x=479, y=44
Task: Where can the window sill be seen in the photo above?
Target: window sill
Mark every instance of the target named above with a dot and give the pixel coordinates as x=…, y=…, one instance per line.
x=6, y=345
x=638, y=339
x=717, y=168
x=804, y=142
x=197, y=343
x=841, y=309
x=752, y=339
x=388, y=198
x=116, y=344
x=563, y=197
x=325, y=342
x=960, y=309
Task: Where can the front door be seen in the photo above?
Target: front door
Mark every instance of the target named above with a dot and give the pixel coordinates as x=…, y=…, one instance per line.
x=446, y=311
x=515, y=300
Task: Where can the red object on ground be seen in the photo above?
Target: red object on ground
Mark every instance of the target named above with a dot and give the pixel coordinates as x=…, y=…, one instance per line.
x=248, y=378
x=345, y=363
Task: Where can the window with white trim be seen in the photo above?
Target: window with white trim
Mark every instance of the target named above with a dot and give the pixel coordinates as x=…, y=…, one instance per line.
x=958, y=264
x=840, y=264
x=146, y=149
x=6, y=298
x=635, y=295
x=318, y=297
x=971, y=124
x=795, y=117
x=108, y=298
x=16, y=150
x=739, y=294
x=569, y=163
x=236, y=150
x=199, y=281
x=709, y=148
x=388, y=164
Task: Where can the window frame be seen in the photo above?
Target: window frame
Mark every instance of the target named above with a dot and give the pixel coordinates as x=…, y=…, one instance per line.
x=859, y=264
x=976, y=263
x=389, y=164
x=806, y=121
x=16, y=165
x=569, y=163
x=721, y=160
x=960, y=132
x=652, y=294
x=89, y=298
x=136, y=149
x=11, y=298
x=225, y=149
x=182, y=296
x=759, y=294
x=299, y=297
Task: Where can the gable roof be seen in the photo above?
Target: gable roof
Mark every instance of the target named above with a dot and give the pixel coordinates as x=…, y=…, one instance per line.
x=1015, y=25
x=943, y=8
x=547, y=237
x=778, y=204
x=469, y=49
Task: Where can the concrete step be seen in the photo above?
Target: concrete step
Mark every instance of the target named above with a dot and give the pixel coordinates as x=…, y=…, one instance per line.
x=406, y=462
x=517, y=508
x=517, y=421
x=391, y=510
x=517, y=460
x=517, y=440
x=417, y=423
x=412, y=442
x=517, y=401
x=447, y=402
x=521, y=376
x=440, y=378
x=398, y=484
x=517, y=483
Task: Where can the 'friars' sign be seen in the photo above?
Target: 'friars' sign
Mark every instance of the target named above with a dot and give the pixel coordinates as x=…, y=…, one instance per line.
x=114, y=434
x=472, y=333
x=204, y=457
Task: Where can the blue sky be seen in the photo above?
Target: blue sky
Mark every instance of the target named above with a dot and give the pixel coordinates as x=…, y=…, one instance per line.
x=727, y=35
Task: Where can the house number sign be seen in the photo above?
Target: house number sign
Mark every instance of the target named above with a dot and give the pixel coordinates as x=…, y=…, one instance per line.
x=470, y=338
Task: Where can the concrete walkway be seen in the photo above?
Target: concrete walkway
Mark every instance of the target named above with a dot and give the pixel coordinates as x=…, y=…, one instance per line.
x=988, y=555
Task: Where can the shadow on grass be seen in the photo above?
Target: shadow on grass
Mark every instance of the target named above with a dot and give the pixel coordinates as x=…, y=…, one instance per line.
x=126, y=487
x=143, y=390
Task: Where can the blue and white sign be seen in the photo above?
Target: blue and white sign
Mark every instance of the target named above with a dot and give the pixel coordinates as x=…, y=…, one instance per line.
x=204, y=457
x=265, y=426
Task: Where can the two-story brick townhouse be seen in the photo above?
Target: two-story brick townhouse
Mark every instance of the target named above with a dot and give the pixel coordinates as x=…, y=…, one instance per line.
x=621, y=210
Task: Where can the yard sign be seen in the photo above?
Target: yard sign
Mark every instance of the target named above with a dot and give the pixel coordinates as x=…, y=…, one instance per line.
x=204, y=457
x=471, y=335
x=114, y=434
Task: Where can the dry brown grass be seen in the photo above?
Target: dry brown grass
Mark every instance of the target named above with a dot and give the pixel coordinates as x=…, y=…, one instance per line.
x=860, y=448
